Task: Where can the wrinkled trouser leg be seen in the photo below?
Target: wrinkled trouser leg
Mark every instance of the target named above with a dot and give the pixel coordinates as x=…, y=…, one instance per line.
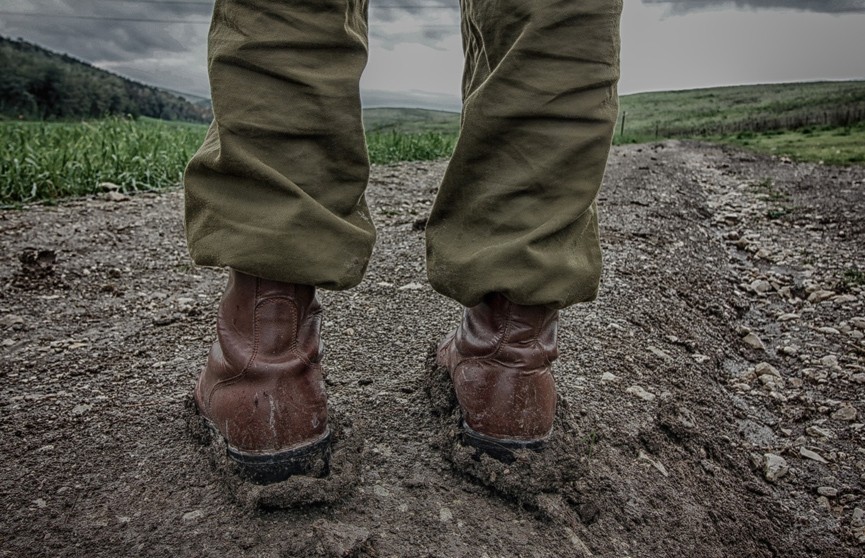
x=516, y=211
x=277, y=189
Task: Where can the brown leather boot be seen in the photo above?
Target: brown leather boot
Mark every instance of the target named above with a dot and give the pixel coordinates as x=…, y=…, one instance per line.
x=263, y=385
x=500, y=360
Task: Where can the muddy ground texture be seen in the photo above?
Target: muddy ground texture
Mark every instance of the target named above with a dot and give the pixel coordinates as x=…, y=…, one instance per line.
x=711, y=398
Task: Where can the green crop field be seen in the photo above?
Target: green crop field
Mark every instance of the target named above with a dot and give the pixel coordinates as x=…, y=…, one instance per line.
x=808, y=121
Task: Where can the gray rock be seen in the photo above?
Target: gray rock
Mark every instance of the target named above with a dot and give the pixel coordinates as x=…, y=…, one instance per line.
x=754, y=342
x=774, y=467
x=764, y=368
x=193, y=515
x=846, y=412
x=641, y=393
x=827, y=491
x=812, y=455
x=760, y=286
x=818, y=432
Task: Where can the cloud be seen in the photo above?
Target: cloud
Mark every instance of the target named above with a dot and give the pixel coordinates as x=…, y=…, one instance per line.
x=821, y=6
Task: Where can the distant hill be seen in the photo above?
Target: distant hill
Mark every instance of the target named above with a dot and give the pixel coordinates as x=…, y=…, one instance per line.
x=721, y=111
x=410, y=120
x=36, y=83
x=693, y=113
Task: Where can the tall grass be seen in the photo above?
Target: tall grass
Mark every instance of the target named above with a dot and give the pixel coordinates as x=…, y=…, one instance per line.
x=42, y=161
x=393, y=147
x=46, y=161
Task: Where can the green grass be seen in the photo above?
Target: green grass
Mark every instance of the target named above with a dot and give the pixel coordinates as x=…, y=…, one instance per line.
x=394, y=146
x=835, y=146
x=42, y=161
x=46, y=161
x=820, y=121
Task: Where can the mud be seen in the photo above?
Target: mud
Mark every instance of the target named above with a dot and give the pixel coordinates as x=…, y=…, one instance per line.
x=711, y=399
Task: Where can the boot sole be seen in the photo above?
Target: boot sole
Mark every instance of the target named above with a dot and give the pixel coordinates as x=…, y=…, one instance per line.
x=497, y=448
x=268, y=468
x=311, y=459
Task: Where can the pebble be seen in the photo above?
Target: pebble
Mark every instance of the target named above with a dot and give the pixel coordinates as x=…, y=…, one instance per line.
x=79, y=410
x=609, y=377
x=659, y=353
x=193, y=515
x=115, y=196
x=754, y=342
x=411, y=287
x=844, y=299
x=788, y=317
x=641, y=393
x=858, y=517
x=10, y=320
x=40, y=503
x=764, y=368
x=774, y=467
x=827, y=491
x=700, y=359
x=859, y=378
x=812, y=455
x=820, y=295
x=445, y=515
x=846, y=412
x=828, y=330
x=858, y=322
x=830, y=361
x=818, y=432
x=789, y=350
x=761, y=286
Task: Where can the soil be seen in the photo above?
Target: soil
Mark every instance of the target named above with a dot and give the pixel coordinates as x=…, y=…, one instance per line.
x=711, y=399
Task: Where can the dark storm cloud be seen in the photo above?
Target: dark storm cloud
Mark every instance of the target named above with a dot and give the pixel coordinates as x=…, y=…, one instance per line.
x=428, y=17
x=389, y=10
x=822, y=6
x=113, y=35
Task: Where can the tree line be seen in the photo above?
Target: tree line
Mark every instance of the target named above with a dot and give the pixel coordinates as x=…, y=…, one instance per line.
x=36, y=83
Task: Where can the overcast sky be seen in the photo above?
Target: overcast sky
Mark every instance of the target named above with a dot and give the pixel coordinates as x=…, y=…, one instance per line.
x=415, y=48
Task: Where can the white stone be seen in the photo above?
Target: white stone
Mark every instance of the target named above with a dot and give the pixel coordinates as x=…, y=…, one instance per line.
x=812, y=455
x=641, y=393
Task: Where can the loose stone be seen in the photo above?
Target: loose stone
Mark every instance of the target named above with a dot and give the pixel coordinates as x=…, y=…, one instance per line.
x=774, y=467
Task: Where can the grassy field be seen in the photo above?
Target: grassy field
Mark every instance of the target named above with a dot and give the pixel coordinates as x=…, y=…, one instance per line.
x=45, y=161
x=820, y=121
x=810, y=121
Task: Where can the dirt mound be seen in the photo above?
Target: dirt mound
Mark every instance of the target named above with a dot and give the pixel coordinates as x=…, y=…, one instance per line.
x=711, y=398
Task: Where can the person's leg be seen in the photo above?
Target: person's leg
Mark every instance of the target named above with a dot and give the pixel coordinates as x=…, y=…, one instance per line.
x=277, y=189
x=276, y=193
x=516, y=213
x=513, y=234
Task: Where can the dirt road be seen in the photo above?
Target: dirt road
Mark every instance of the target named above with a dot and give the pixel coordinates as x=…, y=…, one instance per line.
x=712, y=398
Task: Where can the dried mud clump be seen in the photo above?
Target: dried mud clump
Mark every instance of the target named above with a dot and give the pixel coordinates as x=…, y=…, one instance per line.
x=329, y=483
x=538, y=479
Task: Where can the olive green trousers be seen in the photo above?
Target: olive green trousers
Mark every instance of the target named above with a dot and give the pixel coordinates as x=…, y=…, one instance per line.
x=277, y=188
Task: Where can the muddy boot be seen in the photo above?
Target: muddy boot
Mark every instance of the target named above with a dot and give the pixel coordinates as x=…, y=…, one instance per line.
x=499, y=360
x=262, y=387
